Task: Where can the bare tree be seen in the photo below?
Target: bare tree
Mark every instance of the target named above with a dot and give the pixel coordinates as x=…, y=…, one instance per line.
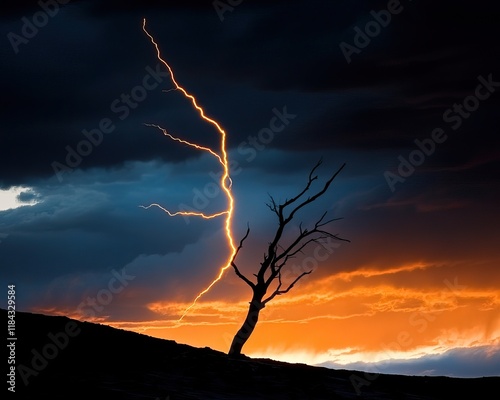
x=278, y=254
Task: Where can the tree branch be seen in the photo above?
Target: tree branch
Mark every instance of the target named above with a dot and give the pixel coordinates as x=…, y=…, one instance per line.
x=310, y=180
x=278, y=292
x=314, y=197
x=236, y=269
x=292, y=249
x=278, y=255
x=274, y=208
x=279, y=210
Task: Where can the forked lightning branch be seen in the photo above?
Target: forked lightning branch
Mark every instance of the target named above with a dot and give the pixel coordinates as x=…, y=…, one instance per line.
x=225, y=179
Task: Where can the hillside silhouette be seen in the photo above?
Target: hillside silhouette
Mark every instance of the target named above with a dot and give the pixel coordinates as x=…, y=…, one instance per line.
x=89, y=360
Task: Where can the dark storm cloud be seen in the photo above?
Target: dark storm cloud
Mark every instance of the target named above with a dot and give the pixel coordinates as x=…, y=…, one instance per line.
x=100, y=7
x=90, y=68
x=391, y=124
x=427, y=59
x=424, y=62
x=95, y=224
x=260, y=46
x=435, y=44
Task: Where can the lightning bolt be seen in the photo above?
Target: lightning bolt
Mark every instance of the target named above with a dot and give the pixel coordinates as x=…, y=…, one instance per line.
x=225, y=180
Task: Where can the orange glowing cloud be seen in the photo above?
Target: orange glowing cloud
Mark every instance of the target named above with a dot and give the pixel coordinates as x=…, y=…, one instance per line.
x=364, y=315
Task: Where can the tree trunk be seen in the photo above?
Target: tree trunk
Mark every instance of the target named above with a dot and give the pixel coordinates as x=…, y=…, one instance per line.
x=248, y=326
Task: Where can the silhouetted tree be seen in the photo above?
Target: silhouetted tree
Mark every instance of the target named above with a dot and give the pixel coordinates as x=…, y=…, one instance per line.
x=278, y=254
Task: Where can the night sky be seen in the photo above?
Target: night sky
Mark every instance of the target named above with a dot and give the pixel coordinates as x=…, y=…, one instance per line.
x=406, y=93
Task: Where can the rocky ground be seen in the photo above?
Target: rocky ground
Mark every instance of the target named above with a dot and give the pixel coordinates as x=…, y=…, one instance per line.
x=59, y=358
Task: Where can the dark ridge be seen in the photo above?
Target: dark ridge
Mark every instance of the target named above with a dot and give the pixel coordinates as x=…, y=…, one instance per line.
x=89, y=361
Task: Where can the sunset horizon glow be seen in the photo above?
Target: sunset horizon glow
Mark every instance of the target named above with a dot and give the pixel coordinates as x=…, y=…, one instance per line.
x=343, y=319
